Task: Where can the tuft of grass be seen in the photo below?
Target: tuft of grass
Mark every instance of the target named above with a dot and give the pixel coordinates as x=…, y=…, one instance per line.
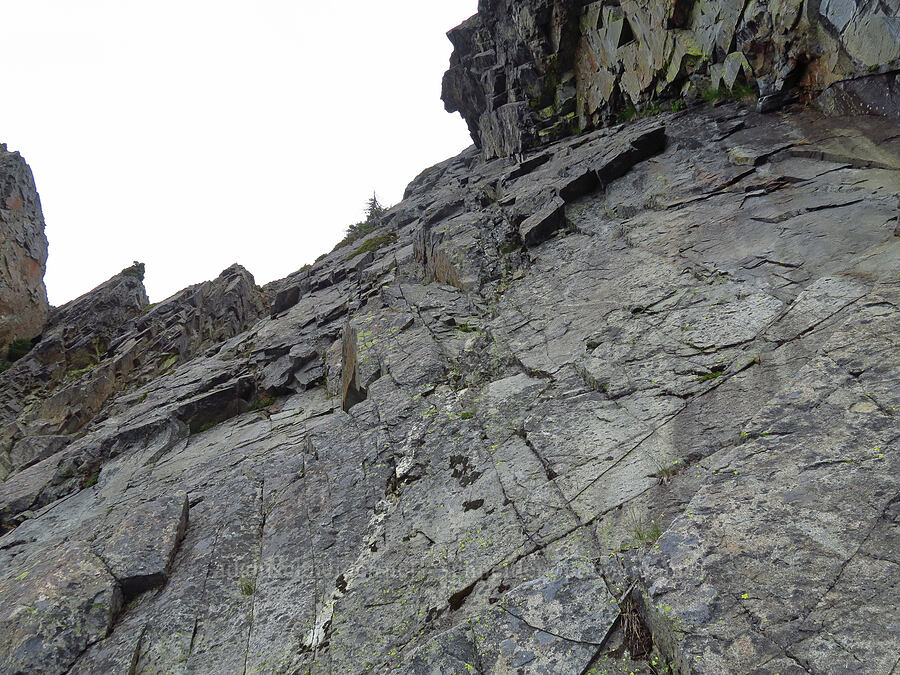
x=627, y=114
x=644, y=532
x=169, y=364
x=373, y=244
x=630, y=112
x=741, y=91
x=711, y=95
x=712, y=375
x=92, y=480
x=247, y=586
x=206, y=427
x=94, y=359
x=464, y=328
x=665, y=472
x=262, y=402
x=467, y=415
x=78, y=372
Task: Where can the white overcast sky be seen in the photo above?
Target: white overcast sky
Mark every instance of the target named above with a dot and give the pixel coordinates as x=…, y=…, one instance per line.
x=192, y=134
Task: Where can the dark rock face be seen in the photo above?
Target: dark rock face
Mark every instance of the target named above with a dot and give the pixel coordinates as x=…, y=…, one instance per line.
x=524, y=74
x=23, y=253
x=872, y=95
x=629, y=401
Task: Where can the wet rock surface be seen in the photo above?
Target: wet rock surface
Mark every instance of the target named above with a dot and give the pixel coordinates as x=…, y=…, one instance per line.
x=659, y=431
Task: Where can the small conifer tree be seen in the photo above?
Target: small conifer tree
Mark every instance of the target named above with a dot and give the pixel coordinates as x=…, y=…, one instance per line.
x=374, y=209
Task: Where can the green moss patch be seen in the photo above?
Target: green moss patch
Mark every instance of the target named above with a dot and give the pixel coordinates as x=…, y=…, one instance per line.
x=374, y=244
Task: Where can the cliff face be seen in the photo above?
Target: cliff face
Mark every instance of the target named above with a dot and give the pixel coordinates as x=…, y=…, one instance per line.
x=627, y=402
x=23, y=253
x=527, y=73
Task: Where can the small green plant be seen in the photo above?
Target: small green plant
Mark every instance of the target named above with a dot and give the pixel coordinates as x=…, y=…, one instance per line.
x=464, y=328
x=665, y=472
x=136, y=271
x=467, y=415
x=99, y=349
x=630, y=112
x=92, y=479
x=873, y=67
x=718, y=371
x=75, y=373
x=626, y=114
x=18, y=348
x=93, y=359
x=740, y=91
x=247, y=586
x=509, y=246
x=373, y=244
x=356, y=231
x=206, y=426
x=711, y=95
x=262, y=402
x=169, y=364
x=644, y=532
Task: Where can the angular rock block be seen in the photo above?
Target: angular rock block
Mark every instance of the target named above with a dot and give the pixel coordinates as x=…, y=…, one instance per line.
x=285, y=299
x=641, y=146
x=351, y=390
x=140, y=551
x=539, y=227
x=219, y=404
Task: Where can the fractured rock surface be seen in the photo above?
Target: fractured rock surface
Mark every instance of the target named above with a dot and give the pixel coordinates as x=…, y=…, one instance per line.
x=527, y=72
x=660, y=428
x=23, y=253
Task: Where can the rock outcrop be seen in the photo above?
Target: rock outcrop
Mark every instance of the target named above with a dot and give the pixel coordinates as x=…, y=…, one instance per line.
x=527, y=73
x=23, y=254
x=627, y=402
